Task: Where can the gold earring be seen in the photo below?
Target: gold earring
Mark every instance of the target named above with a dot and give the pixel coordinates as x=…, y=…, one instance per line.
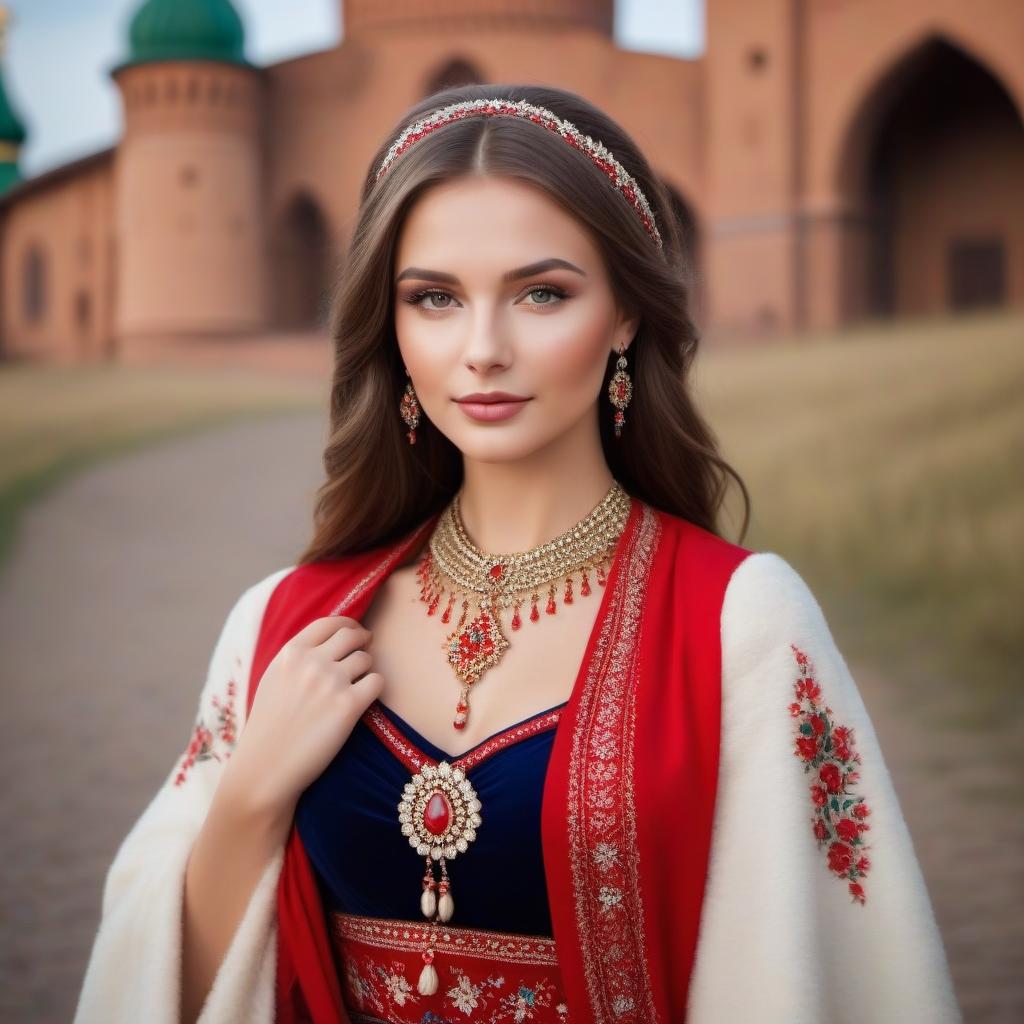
x=410, y=409
x=620, y=390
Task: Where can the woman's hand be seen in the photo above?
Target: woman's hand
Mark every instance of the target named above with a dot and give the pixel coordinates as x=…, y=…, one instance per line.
x=307, y=703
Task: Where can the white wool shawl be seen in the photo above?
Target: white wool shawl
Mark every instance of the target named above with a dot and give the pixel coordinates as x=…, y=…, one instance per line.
x=781, y=941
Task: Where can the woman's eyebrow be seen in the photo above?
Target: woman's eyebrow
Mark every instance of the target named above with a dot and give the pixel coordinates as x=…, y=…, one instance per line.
x=440, y=277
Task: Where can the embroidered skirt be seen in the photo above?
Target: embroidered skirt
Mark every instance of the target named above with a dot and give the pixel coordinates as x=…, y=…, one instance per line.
x=486, y=976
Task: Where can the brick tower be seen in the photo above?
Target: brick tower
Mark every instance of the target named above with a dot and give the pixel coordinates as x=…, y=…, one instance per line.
x=189, y=190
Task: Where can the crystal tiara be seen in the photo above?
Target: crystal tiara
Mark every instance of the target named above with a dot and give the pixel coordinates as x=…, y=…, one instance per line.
x=620, y=178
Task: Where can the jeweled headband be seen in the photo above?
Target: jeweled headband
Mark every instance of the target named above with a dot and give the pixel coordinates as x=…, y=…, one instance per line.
x=623, y=181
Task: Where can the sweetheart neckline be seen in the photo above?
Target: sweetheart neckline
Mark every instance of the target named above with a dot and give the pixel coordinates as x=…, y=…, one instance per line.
x=424, y=746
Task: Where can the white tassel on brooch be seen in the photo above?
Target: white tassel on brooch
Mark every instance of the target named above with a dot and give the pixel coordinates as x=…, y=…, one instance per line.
x=437, y=904
x=445, y=904
x=439, y=813
x=427, y=985
x=428, y=901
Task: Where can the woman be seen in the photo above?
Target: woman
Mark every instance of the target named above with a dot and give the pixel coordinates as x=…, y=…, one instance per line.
x=524, y=738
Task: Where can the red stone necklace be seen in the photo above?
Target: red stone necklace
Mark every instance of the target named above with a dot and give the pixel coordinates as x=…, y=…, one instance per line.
x=454, y=565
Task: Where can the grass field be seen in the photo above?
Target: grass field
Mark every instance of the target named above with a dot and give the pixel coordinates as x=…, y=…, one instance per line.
x=887, y=465
x=56, y=420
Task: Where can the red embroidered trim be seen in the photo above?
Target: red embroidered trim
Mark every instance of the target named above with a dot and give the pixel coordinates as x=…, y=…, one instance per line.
x=414, y=759
x=602, y=821
x=217, y=742
x=487, y=976
x=509, y=736
x=404, y=546
x=822, y=745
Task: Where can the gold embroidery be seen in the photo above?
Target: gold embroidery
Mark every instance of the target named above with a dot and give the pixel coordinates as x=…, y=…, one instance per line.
x=388, y=933
x=604, y=857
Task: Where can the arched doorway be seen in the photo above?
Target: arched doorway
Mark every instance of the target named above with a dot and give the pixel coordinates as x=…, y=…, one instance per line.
x=931, y=169
x=303, y=266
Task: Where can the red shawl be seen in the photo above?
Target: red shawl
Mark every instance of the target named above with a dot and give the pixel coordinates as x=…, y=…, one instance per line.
x=630, y=789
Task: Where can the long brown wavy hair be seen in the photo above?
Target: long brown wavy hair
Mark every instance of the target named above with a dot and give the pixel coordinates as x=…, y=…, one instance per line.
x=378, y=486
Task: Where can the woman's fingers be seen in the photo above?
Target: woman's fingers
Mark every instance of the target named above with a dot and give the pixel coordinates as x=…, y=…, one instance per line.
x=319, y=630
x=343, y=641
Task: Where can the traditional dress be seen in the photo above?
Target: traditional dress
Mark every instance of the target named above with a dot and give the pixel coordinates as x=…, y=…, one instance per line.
x=718, y=835
x=501, y=954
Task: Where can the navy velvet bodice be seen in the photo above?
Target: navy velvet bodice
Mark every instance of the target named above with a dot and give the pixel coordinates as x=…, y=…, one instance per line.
x=348, y=822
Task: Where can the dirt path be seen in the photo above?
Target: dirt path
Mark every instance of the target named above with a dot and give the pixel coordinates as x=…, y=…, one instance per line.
x=108, y=612
x=109, y=609
x=960, y=790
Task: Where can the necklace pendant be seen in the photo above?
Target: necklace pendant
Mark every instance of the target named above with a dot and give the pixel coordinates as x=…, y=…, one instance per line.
x=456, y=570
x=477, y=646
x=462, y=708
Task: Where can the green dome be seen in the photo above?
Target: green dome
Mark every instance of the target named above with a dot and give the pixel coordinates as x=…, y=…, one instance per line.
x=9, y=176
x=11, y=128
x=186, y=30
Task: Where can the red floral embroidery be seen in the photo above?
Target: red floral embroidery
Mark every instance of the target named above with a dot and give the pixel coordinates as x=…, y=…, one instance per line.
x=216, y=742
x=838, y=822
x=486, y=976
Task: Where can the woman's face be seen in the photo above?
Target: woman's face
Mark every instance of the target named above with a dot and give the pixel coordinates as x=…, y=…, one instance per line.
x=497, y=288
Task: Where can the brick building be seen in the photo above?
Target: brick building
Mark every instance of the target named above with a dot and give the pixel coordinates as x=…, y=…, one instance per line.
x=834, y=159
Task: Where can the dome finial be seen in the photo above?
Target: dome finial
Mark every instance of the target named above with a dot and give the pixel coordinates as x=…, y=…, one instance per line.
x=186, y=30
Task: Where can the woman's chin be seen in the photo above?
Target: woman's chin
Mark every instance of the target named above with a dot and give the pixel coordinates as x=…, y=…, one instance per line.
x=496, y=443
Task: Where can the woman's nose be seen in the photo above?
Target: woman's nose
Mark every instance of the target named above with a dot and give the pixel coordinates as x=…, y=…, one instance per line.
x=487, y=344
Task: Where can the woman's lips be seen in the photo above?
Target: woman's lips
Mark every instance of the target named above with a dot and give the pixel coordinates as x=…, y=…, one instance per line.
x=488, y=411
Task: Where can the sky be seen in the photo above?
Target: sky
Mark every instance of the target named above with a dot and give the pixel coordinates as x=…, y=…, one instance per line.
x=59, y=52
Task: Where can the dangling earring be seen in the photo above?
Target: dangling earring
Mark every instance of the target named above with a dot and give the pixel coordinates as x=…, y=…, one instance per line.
x=620, y=390
x=410, y=409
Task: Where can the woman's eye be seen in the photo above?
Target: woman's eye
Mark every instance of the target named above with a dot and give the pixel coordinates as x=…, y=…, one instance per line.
x=442, y=300
x=417, y=299
x=546, y=290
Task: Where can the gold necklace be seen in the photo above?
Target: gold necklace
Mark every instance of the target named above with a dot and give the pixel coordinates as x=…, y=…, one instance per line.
x=453, y=564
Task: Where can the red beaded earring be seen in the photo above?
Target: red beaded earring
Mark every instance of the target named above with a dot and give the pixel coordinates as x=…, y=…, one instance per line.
x=620, y=390
x=410, y=409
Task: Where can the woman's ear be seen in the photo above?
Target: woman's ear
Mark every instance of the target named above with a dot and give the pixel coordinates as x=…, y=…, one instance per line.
x=625, y=331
